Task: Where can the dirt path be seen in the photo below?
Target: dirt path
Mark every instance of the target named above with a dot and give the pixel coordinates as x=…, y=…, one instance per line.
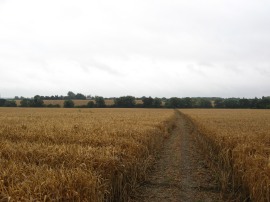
x=180, y=173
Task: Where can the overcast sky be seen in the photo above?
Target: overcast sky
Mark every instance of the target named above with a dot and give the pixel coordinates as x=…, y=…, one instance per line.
x=135, y=47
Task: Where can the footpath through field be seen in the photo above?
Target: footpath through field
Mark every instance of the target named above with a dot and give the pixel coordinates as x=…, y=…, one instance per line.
x=180, y=173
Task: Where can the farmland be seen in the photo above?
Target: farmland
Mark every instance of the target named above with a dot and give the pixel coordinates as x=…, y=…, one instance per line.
x=237, y=144
x=103, y=154
x=77, y=154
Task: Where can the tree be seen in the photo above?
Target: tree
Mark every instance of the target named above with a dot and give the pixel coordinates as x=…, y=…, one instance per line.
x=205, y=103
x=37, y=102
x=125, y=101
x=264, y=103
x=100, y=102
x=25, y=102
x=173, y=102
x=219, y=103
x=68, y=104
x=80, y=96
x=187, y=102
x=231, y=103
x=71, y=95
x=148, y=101
x=2, y=102
x=53, y=106
x=89, y=97
x=157, y=102
x=244, y=103
x=10, y=103
x=90, y=104
x=254, y=103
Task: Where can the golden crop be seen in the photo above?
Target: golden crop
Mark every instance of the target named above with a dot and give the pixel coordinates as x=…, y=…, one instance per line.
x=77, y=154
x=238, y=142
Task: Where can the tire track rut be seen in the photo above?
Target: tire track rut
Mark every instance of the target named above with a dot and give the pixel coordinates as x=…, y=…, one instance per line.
x=180, y=173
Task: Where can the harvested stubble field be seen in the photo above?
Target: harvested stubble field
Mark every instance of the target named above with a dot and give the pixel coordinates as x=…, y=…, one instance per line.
x=237, y=142
x=77, y=154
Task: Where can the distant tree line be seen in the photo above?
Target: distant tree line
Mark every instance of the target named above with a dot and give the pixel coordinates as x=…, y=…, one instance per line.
x=7, y=103
x=146, y=102
x=70, y=95
x=243, y=103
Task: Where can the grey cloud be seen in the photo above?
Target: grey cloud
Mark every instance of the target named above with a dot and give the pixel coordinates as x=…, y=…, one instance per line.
x=99, y=66
x=196, y=70
x=206, y=64
x=137, y=42
x=233, y=68
x=84, y=67
x=264, y=71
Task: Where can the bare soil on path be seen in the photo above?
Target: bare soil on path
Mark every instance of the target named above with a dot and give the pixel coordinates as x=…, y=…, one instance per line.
x=180, y=173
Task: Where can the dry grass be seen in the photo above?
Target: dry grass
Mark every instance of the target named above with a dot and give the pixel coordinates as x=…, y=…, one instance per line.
x=238, y=143
x=77, y=154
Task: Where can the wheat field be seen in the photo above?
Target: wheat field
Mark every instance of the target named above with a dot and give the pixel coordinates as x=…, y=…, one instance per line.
x=77, y=154
x=237, y=142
